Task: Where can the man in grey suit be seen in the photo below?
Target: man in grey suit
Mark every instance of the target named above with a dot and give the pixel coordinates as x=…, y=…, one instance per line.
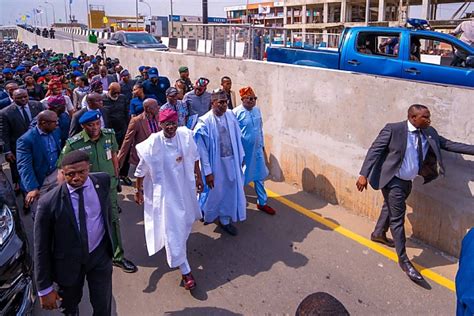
x=400, y=152
x=104, y=77
x=73, y=241
x=14, y=122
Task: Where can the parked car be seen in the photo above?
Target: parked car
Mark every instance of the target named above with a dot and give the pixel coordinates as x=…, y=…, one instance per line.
x=138, y=40
x=399, y=52
x=16, y=286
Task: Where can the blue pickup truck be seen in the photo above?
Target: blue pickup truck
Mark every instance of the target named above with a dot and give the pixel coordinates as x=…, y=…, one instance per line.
x=390, y=51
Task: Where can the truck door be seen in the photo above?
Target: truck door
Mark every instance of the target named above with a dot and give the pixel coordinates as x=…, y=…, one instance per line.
x=433, y=59
x=373, y=52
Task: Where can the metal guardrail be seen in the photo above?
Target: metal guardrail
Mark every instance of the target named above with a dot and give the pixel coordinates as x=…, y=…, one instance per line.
x=243, y=41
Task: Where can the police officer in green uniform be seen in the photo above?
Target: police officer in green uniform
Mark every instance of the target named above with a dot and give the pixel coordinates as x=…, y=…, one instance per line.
x=102, y=147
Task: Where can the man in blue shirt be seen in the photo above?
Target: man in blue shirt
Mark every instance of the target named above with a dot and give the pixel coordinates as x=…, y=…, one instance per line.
x=199, y=100
x=156, y=86
x=37, y=153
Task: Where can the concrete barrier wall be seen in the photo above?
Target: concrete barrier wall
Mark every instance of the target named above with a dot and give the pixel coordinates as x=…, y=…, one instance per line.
x=319, y=124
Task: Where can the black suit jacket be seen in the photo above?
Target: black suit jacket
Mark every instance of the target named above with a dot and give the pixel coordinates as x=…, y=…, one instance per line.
x=76, y=127
x=12, y=123
x=110, y=79
x=57, y=240
x=386, y=154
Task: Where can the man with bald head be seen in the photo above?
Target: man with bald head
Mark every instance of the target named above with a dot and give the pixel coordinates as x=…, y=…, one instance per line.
x=14, y=122
x=37, y=153
x=140, y=127
x=400, y=152
x=104, y=77
x=116, y=107
x=95, y=101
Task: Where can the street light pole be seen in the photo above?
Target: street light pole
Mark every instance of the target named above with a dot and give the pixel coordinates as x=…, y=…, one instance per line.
x=65, y=11
x=149, y=7
x=45, y=13
x=88, y=15
x=41, y=18
x=136, y=14
x=54, y=13
x=171, y=11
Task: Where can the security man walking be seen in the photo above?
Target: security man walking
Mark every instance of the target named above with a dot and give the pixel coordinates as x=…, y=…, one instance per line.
x=102, y=147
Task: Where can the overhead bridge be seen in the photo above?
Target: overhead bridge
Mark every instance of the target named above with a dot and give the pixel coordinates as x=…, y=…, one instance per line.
x=319, y=123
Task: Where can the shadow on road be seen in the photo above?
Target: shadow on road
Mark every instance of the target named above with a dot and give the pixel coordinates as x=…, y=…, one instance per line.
x=217, y=258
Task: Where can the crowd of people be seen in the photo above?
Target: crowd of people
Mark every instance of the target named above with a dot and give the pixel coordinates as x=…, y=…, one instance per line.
x=74, y=127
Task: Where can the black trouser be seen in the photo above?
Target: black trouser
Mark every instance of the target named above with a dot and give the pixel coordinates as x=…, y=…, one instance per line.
x=393, y=212
x=14, y=172
x=98, y=271
x=123, y=172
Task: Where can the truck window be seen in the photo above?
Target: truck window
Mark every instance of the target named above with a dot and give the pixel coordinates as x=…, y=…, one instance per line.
x=378, y=43
x=434, y=51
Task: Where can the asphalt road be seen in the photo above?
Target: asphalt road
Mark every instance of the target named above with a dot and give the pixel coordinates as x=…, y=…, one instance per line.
x=273, y=264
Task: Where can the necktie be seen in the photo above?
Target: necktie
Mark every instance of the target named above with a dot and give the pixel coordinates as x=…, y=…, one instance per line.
x=25, y=116
x=83, y=226
x=419, y=149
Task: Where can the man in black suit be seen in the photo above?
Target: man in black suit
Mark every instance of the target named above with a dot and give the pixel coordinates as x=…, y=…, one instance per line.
x=400, y=152
x=95, y=101
x=14, y=122
x=116, y=106
x=72, y=239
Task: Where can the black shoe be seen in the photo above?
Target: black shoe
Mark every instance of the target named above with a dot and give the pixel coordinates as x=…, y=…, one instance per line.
x=126, y=265
x=126, y=181
x=411, y=272
x=383, y=240
x=230, y=229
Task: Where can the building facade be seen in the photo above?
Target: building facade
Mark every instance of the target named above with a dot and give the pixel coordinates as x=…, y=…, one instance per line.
x=331, y=16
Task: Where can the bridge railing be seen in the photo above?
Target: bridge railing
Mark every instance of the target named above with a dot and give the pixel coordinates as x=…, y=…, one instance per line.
x=243, y=41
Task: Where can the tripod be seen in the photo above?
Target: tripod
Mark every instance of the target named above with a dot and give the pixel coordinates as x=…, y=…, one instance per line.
x=103, y=53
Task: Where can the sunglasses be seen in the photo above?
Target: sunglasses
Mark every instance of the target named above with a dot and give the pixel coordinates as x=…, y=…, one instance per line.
x=252, y=98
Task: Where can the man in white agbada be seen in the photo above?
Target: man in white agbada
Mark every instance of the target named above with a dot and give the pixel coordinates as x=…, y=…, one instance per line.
x=168, y=179
x=218, y=138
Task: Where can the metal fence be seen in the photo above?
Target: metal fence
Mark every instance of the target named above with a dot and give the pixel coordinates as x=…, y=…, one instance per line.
x=242, y=41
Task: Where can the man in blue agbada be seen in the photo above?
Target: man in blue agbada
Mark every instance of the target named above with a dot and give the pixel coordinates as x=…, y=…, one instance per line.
x=218, y=138
x=465, y=277
x=251, y=125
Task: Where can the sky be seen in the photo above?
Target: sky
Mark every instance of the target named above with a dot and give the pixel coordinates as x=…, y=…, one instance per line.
x=10, y=10
x=13, y=9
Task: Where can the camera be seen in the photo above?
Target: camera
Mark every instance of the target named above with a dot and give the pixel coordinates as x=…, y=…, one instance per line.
x=102, y=47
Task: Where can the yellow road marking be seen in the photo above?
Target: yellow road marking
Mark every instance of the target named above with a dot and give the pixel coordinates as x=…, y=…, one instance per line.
x=441, y=280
